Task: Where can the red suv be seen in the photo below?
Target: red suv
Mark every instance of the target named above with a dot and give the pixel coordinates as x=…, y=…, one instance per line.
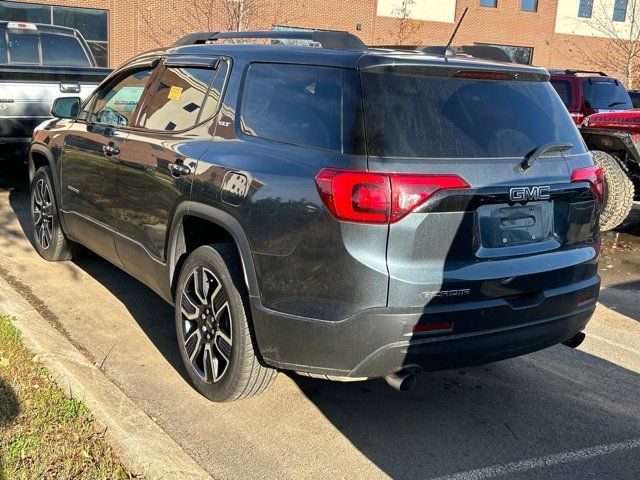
x=585, y=93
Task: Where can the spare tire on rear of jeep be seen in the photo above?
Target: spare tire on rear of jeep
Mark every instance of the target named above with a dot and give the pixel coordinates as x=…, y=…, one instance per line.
x=618, y=194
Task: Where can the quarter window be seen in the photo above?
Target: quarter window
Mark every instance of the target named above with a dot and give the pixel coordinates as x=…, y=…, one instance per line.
x=179, y=98
x=293, y=104
x=116, y=104
x=620, y=11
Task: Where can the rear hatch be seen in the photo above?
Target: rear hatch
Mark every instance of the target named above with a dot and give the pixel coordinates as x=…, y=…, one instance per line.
x=497, y=227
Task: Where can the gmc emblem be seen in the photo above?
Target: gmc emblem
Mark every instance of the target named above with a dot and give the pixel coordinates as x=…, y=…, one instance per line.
x=527, y=194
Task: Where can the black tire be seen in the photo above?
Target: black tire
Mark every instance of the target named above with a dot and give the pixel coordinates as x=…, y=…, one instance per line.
x=48, y=237
x=222, y=371
x=618, y=192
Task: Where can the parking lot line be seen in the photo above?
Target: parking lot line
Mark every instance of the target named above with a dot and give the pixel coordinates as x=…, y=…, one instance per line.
x=614, y=344
x=541, y=462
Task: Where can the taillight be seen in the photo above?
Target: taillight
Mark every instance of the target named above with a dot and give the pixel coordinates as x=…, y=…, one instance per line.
x=594, y=176
x=578, y=118
x=482, y=75
x=369, y=197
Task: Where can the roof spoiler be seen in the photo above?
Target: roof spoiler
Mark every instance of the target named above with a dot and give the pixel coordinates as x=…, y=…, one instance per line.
x=326, y=39
x=486, y=52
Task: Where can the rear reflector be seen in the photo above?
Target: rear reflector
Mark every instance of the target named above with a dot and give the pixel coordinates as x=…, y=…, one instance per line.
x=432, y=327
x=21, y=26
x=586, y=298
x=594, y=176
x=478, y=75
x=369, y=197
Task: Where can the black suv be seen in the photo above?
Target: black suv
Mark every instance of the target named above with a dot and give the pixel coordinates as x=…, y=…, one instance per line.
x=310, y=204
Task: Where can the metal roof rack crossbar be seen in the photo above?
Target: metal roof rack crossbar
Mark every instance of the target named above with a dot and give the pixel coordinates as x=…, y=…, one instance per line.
x=327, y=39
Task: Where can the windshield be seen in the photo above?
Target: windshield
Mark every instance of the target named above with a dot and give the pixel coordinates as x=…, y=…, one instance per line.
x=409, y=115
x=605, y=94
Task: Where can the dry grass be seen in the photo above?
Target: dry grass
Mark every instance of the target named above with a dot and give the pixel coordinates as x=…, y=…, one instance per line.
x=43, y=433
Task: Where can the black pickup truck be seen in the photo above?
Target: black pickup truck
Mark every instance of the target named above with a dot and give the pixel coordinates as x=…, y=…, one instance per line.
x=39, y=63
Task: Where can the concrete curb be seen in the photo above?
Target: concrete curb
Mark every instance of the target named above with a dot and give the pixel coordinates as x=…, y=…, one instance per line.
x=142, y=446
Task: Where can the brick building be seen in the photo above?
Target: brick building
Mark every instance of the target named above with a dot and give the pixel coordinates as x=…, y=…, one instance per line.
x=550, y=33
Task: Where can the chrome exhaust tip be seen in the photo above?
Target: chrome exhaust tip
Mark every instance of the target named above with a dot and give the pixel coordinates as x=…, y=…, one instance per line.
x=402, y=380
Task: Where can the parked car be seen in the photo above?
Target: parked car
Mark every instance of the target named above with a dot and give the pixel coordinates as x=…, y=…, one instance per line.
x=635, y=98
x=614, y=138
x=39, y=63
x=342, y=212
x=585, y=93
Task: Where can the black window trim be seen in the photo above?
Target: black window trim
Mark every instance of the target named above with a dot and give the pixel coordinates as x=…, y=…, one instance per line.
x=240, y=133
x=119, y=74
x=215, y=63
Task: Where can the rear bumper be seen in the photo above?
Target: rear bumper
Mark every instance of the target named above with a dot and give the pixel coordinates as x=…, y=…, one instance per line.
x=380, y=341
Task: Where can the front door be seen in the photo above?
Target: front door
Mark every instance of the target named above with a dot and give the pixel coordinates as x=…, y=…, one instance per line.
x=89, y=160
x=159, y=158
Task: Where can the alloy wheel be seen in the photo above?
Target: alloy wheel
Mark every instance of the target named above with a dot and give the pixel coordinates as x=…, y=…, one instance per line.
x=207, y=328
x=42, y=213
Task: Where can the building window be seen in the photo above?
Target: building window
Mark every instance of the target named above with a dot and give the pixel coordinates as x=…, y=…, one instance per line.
x=620, y=11
x=523, y=55
x=585, y=8
x=529, y=5
x=489, y=3
x=93, y=24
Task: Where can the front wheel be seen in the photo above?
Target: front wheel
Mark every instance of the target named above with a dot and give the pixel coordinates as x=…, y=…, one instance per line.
x=212, y=325
x=49, y=239
x=618, y=195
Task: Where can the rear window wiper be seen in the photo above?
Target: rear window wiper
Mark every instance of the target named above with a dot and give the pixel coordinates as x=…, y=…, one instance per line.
x=613, y=104
x=551, y=147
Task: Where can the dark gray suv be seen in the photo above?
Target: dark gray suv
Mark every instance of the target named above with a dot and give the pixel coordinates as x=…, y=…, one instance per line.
x=340, y=211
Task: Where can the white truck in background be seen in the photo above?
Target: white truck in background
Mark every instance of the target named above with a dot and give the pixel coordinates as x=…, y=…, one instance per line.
x=39, y=63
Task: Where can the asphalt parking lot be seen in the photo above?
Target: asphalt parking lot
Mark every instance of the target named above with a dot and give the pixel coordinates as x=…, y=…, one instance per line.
x=559, y=413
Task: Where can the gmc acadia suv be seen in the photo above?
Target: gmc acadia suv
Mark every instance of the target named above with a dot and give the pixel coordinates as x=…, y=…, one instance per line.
x=342, y=212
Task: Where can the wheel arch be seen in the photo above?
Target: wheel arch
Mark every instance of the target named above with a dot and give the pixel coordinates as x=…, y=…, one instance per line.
x=177, y=243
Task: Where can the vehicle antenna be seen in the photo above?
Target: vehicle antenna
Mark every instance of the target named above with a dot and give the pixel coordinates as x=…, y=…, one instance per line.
x=455, y=30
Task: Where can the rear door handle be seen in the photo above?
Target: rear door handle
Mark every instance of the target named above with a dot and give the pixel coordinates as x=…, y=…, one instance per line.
x=179, y=168
x=110, y=150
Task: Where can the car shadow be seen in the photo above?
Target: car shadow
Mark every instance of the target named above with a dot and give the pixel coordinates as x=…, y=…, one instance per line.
x=553, y=401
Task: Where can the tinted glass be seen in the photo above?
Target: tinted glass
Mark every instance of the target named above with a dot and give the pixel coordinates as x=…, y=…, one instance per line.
x=293, y=104
x=215, y=94
x=635, y=99
x=603, y=94
x=62, y=50
x=92, y=24
x=564, y=90
x=100, y=52
x=23, y=48
x=24, y=12
x=179, y=98
x=437, y=117
x=3, y=49
x=116, y=103
x=620, y=11
x=585, y=8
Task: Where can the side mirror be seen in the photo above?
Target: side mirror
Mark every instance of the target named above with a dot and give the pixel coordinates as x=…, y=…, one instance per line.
x=66, y=107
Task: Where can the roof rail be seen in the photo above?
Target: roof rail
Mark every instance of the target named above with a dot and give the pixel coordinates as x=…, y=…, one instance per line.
x=577, y=72
x=327, y=39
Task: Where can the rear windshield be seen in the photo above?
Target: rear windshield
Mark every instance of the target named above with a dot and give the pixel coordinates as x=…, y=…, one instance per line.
x=604, y=94
x=409, y=115
x=57, y=50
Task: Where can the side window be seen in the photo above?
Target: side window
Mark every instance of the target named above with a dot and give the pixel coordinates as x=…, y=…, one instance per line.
x=563, y=87
x=24, y=48
x=181, y=99
x=293, y=104
x=116, y=103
